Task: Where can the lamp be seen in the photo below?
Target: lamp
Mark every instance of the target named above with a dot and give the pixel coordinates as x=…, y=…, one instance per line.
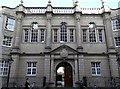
x=10, y=61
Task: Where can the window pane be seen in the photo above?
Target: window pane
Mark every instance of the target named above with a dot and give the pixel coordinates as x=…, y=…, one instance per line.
x=29, y=64
x=29, y=71
x=34, y=64
x=93, y=71
x=10, y=24
x=98, y=70
x=34, y=71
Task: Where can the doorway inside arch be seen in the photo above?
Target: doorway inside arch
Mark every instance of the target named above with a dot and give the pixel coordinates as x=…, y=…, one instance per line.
x=64, y=76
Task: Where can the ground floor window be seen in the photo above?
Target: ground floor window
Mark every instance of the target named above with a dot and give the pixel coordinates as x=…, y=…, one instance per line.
x=3, y=68
x=31, y=68
x=95, y=67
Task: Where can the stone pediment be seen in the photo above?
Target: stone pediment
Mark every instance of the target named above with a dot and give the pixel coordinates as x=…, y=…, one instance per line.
x=64, y=50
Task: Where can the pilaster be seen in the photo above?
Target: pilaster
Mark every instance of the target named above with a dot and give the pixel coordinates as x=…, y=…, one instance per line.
x=14, y=68
x=49, y=16
x=47, y=67
x=76, y=69
x=1, y=20
x=113, y=65
x=18, y=28
x=78, y=31
x=108, y=30
x=81, y=67
x=52, y=68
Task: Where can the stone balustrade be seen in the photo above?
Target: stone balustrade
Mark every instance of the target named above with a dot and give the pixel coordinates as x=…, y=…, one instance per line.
x=57, y=10
x=65, y=10
x=35, y=10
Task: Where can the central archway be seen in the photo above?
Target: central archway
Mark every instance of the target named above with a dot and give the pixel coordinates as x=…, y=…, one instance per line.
x=64, y=76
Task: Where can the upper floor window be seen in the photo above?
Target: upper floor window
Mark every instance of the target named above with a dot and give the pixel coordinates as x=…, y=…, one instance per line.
x=3, y=68
x=10, y=23
x=95, y=67
x=72, y=35
x=84, y=35
x=116, y=24
x=100, y=35
x=63, y=32
x=7, y=41
x=34, y=32
x=92, y=32
x=34, y=35
x=55, y=35
x=26, y=35
x=42, y=35
x=31, y=68
x=117, y=41
x=92, y=36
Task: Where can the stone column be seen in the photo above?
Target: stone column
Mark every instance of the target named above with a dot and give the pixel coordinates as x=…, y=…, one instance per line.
x=47, y=67
x=78, y=31
x=49, y=16
x=52, y=81
x=52, y=69
x=18, y=28
x=113, y=66
x=76, y=68
x=1, y=21
x=16, y=42
x=14, y=68
x=81, y=67
x=108, y=30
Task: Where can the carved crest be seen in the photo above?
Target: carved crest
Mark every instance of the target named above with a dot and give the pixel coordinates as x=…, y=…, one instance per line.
x=64, y=53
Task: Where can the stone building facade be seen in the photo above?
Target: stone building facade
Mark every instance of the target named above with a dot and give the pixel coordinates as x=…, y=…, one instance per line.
x=59, y=46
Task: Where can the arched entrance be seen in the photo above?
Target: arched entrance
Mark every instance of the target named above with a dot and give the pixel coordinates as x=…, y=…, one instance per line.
x=64, y=76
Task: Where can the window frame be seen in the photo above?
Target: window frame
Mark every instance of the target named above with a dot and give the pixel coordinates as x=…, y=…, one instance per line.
x=93, y=35
x=115, y=24
x=55, y=35
x=95, y=67
x=3, y=66
x=8, y=41
x=42, y=35
x=31, y=68
x=100, y=35
x=118, y=40
x=10, y=28
x=34, y=34
x=84, y=35
x=73, y=35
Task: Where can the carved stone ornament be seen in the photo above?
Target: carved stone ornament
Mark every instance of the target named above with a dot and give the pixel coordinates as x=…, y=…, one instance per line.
x=64, y=53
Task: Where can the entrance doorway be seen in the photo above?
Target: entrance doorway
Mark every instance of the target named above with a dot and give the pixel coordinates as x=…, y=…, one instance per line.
x=64, y=76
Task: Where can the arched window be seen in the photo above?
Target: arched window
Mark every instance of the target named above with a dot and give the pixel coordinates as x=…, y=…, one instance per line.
x=63, y=32
x=34, y=32
x=92, y=32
